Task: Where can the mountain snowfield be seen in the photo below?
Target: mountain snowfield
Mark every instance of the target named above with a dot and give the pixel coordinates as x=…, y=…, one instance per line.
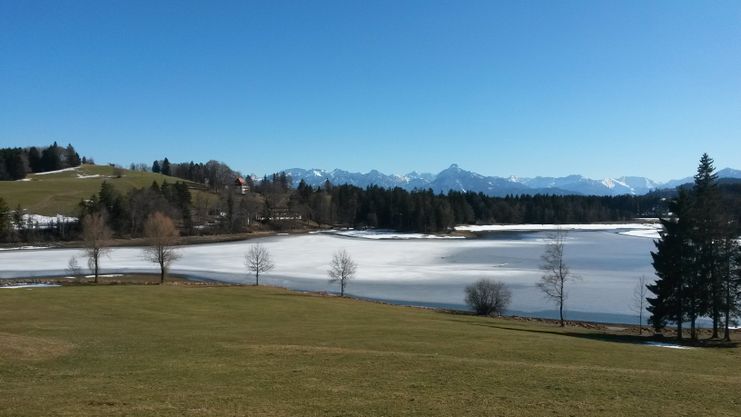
x=458, y=179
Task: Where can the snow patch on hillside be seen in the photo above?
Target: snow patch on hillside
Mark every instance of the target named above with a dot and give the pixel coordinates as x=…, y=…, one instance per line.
x=42, y=222
x=58, y=171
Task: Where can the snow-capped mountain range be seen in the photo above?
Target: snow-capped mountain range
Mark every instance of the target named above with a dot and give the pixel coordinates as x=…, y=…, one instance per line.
x=455, y=178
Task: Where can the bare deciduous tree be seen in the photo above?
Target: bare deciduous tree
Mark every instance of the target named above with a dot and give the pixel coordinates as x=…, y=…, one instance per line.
x=96, y=236
x=556, y=273
x=638, y=304
x=488, y=297
x=73, y=267
x=342, y=269
x=258, y=260
x=162, y=235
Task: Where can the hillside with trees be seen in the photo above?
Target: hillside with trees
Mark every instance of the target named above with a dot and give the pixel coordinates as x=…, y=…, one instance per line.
x=211, y=198
x=16, y=163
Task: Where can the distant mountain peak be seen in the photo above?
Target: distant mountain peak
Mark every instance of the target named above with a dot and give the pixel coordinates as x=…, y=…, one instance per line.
x=457, y=179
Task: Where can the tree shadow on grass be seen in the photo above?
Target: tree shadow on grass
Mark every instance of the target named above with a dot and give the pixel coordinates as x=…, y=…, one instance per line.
x=606, y=336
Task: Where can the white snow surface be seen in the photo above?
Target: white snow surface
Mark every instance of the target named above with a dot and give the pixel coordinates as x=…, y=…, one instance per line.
x=666, y=345
x=648, y=233
x=57, y=171
x=547, y=227
x=417, y=271
x=10, y=287
x=386, y=234
x=29, y=247
x=43, y=221
x=103, y=276
x=88, y=176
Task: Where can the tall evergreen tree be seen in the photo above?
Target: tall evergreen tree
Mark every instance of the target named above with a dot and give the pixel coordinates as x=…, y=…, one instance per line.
x=71, y=157
x=6, y=227
x=51, y=159
x=672, y=261
x=34, y=159
x=707, y=230
x=730, y=277
x=156, y=167
x=166, y=167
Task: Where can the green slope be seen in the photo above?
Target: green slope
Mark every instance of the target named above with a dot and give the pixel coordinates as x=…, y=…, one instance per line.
x=233, y=351
x=59, y=193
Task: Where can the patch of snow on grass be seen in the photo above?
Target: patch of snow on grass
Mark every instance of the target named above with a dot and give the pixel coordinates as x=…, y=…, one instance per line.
x=81, y=176
x=666, y=345
x=57, y=171
x=29, y=286
x=25, y=248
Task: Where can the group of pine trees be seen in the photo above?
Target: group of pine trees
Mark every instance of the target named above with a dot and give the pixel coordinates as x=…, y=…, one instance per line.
x=697, y=260
x=214, y=174
x=15, y=163
x=125, y=213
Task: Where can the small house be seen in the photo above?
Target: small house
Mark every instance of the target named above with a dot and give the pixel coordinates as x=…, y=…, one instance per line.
x=240, y=185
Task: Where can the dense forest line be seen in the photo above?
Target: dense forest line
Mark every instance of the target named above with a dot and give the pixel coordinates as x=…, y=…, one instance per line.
x=16, y=163
x=427, y=212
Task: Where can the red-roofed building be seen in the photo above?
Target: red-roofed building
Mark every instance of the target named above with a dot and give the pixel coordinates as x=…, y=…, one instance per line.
x=240, y=185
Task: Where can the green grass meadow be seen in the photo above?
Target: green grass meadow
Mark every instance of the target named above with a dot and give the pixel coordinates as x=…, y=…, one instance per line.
x=60, y=193
x=178, y=350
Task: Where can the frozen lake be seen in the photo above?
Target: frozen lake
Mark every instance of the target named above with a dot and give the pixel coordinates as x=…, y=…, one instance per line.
x=430, y=272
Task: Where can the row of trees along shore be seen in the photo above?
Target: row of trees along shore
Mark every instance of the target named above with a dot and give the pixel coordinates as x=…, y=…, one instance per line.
x=275, y=204
x=16, y=163
x=160, y=233
x=697, y=260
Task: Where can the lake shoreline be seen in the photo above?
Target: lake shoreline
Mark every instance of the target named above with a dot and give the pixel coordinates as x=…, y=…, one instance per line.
x=612, y=328
x=459, y=232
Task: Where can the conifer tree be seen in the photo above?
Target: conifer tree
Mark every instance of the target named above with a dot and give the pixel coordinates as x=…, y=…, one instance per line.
x=6, y=227
x=673, y=264
x=71, y=157
x=166, y=167
x=34, y=159
x=707, y=230
x=156, y=167
x=730, y=277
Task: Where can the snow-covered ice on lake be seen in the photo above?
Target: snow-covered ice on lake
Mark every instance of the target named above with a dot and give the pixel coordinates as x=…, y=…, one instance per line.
x=553, y=227
x=386, y=234
x=414, y=271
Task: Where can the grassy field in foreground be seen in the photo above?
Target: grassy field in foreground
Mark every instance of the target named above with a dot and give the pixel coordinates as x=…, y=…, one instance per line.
x=60, y=193
x=176, y=350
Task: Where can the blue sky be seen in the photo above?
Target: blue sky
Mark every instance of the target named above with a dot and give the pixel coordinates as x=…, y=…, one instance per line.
x=600, y=88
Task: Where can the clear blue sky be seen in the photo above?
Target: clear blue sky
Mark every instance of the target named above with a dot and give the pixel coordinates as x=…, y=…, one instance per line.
x=600, y=88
